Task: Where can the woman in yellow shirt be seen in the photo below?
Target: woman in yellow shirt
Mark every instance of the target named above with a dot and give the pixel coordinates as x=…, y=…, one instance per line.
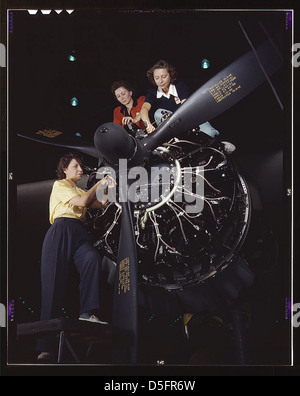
x=67, y=241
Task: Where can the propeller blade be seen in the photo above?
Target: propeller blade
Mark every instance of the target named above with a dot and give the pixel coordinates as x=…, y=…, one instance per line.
x=217, y=95
x=62, y=141
x=125, y=311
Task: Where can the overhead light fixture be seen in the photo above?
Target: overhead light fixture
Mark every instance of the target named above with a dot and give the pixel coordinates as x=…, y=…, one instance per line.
x=32, y=12
x=46, y=11
x=205, y=64
x=74, y=102
x=69, y=11
x=72, y=57
x=58, y=11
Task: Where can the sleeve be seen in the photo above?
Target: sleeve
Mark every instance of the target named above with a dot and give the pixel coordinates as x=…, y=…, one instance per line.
x=63, y=191
x=151, y=96
x=183, y=90
x=118, y=116
x=140, y=103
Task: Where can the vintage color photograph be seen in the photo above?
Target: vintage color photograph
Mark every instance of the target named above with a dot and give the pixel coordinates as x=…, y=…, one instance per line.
x=149, y=155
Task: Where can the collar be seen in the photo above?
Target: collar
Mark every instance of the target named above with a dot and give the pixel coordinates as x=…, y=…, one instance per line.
x=172, y=91
x=124, y=109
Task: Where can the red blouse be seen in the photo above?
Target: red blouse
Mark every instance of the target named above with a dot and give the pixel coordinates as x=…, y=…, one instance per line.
x=121, y=111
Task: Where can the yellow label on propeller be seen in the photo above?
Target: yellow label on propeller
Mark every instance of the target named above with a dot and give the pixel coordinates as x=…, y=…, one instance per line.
x=124, y=281
x=50, y=133
x=224, y=88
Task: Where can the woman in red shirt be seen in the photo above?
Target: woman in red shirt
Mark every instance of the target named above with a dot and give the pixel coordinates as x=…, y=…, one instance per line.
x=129, y=111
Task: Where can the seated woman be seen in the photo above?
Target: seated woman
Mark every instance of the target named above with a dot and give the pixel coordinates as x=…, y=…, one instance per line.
x=167, y=96
x=67, y=241
x=129, y=111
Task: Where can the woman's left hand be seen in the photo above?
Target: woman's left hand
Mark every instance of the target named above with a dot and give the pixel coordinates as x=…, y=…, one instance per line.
x=127, y=120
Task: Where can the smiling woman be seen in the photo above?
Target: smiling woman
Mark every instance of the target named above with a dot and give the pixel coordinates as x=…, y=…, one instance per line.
x=168, y=95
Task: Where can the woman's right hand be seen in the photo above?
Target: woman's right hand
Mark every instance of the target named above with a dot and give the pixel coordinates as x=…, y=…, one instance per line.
x=127, y=120
x=107, y=181
x=144, y=113
x=103, y=183
x=150, y=128
x=111, y=183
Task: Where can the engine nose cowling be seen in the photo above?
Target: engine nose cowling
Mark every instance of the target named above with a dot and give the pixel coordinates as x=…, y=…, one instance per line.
x=113, y=142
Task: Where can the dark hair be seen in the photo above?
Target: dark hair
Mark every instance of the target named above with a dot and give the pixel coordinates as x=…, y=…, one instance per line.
x=118, y=84
x=162, y=64
x=64, y=162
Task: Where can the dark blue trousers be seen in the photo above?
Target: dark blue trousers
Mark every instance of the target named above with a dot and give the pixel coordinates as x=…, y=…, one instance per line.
x=67, y=242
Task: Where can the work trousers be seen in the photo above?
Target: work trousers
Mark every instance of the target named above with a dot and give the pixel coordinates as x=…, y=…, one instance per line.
x=66, y=242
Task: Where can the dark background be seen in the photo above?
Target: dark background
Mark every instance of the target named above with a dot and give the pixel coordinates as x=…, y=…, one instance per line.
x=112, y=45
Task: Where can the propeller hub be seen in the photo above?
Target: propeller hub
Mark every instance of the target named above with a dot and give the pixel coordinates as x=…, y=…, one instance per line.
x=114, y=143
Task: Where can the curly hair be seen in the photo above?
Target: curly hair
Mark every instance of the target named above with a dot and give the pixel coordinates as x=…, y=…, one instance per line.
x=64, y=162
x=118, y=84
x=162, y=64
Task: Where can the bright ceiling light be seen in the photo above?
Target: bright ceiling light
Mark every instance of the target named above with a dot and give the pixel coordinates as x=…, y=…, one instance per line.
x=205, y=64
x=74, y=102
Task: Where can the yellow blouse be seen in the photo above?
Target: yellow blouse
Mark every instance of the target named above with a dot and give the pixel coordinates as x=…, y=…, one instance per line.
x=62, y=193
